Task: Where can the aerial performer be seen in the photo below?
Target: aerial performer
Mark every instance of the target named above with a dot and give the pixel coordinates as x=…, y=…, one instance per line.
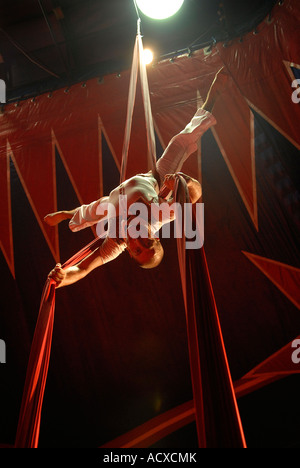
x=142, y=189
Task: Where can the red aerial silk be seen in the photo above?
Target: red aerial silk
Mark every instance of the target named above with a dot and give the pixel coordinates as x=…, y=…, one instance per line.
x=139, y=64
x=217, y=415
x=31, y=407
x=30, y=414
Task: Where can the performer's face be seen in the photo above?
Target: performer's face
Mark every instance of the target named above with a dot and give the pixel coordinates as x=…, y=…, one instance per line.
x=141, y=249
x=145, y=250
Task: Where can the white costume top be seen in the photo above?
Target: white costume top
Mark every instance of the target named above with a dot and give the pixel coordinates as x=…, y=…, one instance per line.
x=142, y=187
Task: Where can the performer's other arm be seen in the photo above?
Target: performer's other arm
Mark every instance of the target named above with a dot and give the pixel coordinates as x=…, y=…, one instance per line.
x=194, y=187
x=108, y=251
x=77, y=272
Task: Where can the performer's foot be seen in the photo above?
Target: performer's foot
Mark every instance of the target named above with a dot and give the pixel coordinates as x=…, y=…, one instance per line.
x=220, y=82
x=216, y=89
x=54, y=218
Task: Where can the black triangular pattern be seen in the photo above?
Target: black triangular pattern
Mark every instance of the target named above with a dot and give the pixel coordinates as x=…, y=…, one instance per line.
x=15, y=332
x=296, y=72
x=69, y=242
x=111, y=175
x=280, y=161
x=225, y=213
x=159, y=148
x=31, y=251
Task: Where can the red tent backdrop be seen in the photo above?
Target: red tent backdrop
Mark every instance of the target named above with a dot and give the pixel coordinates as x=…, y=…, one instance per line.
x=63, y=149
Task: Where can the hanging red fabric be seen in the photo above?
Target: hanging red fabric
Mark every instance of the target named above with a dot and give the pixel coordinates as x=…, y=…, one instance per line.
x=37, y=369
x=216, y=411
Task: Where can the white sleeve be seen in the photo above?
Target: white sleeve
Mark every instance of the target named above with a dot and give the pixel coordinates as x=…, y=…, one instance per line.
x=86, y=215
x=110, y=249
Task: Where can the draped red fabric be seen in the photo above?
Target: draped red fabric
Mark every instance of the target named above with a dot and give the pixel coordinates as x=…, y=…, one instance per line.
x=216, y=411
x=30, y=414
x=266, y=84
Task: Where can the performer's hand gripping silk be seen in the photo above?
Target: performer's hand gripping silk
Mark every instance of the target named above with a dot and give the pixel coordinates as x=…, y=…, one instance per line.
x=146, y=250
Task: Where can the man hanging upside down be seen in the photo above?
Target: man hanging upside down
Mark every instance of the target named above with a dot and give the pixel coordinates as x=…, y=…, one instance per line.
x=145, y=249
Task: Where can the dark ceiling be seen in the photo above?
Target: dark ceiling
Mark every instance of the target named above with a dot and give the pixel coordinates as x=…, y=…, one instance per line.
x=47, y=44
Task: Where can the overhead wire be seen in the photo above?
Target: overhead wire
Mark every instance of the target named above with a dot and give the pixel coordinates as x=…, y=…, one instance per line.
x=53, y=37
x=27, y=55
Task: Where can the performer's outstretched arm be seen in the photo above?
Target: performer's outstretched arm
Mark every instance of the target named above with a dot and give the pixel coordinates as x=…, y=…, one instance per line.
x=108, y=251
x=77, y=272
x=55, y=218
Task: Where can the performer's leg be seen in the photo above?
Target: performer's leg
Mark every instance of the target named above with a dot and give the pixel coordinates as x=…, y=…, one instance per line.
x=216, y=89
x=184, y=143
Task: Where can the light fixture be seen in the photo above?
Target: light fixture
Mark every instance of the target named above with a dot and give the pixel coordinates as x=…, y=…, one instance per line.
x=159, y=9
x=147, y=56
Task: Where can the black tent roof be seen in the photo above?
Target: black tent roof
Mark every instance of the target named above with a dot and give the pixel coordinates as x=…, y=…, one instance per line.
x=46, y=44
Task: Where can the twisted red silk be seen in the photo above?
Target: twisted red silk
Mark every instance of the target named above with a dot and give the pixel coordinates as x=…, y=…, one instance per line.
x=216, y=411
x=37, y=369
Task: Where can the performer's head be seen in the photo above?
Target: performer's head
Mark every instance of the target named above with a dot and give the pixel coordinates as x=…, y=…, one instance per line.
x=146, y=251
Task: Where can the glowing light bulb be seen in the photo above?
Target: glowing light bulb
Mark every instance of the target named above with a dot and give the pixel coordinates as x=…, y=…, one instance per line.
x=159, y=9
x=147, y=56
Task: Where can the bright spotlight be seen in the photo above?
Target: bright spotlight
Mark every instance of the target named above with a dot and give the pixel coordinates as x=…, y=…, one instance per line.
x=159, y=9
x=147, y=56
